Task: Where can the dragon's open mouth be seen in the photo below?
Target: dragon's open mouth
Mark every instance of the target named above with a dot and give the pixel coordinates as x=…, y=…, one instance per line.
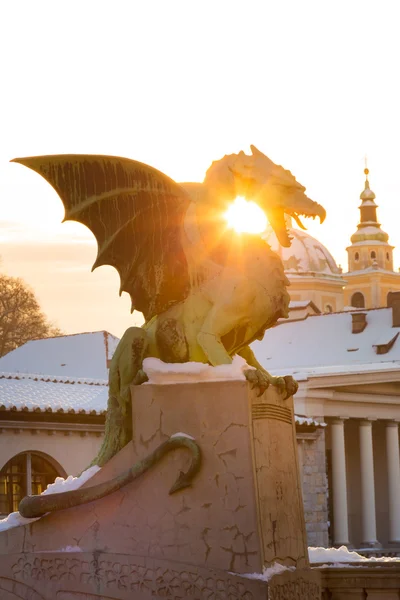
x=296, y=217
x=279, y=224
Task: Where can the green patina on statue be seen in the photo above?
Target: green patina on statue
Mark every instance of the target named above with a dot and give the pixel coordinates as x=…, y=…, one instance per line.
x=205, y=291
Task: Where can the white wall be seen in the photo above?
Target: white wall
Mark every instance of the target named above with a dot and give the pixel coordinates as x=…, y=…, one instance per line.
x=73, y=452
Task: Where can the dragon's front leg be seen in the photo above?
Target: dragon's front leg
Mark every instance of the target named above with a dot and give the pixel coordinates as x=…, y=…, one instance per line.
x=262, y=379
x=125, y=370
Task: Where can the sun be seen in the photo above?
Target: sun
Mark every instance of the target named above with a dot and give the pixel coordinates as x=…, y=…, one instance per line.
x=245, y=216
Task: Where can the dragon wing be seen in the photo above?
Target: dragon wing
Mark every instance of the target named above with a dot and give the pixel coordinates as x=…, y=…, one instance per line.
x=136, y=214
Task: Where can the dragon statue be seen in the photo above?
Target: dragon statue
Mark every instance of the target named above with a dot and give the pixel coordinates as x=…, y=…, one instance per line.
x=205, y=291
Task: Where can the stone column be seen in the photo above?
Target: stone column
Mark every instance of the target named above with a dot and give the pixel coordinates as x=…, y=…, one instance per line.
x=393, y=468
x=339, y=484
x=368, y=515
x=28, y=474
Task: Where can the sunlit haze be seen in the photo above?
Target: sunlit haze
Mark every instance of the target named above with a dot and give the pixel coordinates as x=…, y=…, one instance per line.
x=178, y=85
x=245, y=216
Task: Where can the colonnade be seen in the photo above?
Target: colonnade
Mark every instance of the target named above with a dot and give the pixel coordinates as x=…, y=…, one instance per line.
x=339, y=483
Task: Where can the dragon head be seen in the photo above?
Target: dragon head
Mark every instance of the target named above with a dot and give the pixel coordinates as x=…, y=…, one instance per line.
x=272, y=187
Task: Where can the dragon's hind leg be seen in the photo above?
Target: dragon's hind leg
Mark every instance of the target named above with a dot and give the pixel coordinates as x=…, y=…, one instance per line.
x=125, y=370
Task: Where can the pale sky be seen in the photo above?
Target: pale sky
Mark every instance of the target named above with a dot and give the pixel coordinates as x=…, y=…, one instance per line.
x=178, y=84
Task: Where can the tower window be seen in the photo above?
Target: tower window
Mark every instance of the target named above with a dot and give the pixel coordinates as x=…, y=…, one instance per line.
x=328, y=308
x=373, y=255
x=387, y=256
x=358, y=300
x=356, y=257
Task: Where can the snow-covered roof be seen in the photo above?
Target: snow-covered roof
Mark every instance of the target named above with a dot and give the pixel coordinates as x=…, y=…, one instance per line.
x=301, y=304
x=83, y=355
x=325, y=344
x=28, y=393
x=32, y=393
x=297, y=304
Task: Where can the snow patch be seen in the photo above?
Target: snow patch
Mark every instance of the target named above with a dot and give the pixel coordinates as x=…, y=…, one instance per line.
x=71, y=483
x=308, y=421
x=344, y=555
x=70, y=549
x=180, y=434
x=329, y=557
x=82, y=355
x=60, y=485
x=14, y=520
x=319, y=346
x=167, y=373
x=267, y=573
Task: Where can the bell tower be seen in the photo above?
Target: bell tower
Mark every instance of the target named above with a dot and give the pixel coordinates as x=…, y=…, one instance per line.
x=369, y=244
x=370, y=277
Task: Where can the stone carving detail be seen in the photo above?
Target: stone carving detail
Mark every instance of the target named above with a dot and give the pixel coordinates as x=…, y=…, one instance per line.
x=295, y=590
x=63, y=595
x=17, y=590
x=271, y=411
x=44, y=569
x=156, y=582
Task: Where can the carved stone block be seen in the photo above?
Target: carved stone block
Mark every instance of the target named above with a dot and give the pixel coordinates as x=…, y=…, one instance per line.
x=84, y=576
x=242, y=512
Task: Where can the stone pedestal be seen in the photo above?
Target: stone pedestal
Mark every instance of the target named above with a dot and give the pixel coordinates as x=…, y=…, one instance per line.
x=242, y=513
x=245, y=509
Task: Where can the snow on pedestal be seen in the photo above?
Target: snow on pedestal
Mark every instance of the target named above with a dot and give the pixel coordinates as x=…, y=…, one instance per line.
x=60, y=485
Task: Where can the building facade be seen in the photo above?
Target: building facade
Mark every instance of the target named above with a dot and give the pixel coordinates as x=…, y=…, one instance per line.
x=348, y=368
x=311, y=269
x=315, y=276
x=371, y=276
x=52, y=420
x=341, y=347
x=53, y=399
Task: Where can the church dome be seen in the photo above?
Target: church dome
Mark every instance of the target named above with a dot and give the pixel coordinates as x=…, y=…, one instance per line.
x=306, y=255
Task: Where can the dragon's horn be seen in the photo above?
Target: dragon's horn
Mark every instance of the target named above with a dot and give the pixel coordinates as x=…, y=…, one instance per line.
x=255, y=151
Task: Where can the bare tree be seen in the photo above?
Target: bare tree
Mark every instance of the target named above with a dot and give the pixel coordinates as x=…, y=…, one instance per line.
x=21, y=318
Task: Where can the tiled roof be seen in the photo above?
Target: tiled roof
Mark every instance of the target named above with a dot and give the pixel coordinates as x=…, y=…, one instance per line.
x=32, y=394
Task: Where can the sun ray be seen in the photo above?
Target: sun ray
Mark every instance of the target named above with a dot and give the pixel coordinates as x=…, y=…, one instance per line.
x=245, y=216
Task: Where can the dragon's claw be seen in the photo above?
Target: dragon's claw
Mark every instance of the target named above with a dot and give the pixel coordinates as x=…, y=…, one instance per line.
x=257, y=379
x=291, y=386
x=140, y=377
x=262, y=380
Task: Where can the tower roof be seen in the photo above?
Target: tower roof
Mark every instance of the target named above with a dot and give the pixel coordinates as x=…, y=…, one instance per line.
x=367, y=194
x=368, y=229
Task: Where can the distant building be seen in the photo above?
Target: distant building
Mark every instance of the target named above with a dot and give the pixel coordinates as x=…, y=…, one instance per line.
x=348, y=368
x=53, y=398
x=346, y=357
x=311, y=269
x=83, y=355
x=371, y=276
x=315, y=276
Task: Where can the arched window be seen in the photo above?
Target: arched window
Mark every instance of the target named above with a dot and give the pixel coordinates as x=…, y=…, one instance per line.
x=357, y=300
x=15, y=482
x=356, y=257
x=387, y=256
x=373, y=255
x=328, y=308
